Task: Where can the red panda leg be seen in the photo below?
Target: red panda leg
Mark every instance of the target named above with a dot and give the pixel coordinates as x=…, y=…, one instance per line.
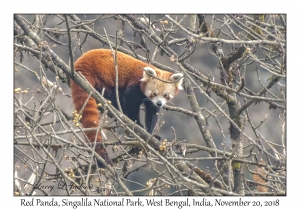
x=133, y=98
x=151, y=117
x=90, y=118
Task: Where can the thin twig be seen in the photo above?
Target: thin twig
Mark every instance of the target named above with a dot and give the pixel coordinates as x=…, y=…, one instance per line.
x=70, y=45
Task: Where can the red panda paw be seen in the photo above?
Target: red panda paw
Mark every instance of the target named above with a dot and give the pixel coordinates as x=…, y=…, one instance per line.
x=158, y=137
x=101, y=165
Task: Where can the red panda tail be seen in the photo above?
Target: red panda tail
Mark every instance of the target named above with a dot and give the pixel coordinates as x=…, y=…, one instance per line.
x=90, y=115
x=258, y=179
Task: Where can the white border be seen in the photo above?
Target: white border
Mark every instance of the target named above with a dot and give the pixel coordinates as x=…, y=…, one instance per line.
x=159, y=7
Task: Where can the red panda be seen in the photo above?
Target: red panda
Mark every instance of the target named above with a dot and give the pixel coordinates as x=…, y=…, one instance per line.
x=136, y=86
x=257, y=178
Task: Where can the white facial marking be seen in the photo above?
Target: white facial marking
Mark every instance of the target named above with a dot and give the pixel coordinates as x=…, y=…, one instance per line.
x=148, y=93
x=171, y=96
x=159, y=98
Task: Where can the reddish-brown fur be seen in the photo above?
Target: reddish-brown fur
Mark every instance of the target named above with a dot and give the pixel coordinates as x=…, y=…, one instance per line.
x=257, y=178
x=98, y=68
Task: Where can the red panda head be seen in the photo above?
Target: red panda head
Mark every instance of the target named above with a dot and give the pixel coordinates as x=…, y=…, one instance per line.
x=157, y=91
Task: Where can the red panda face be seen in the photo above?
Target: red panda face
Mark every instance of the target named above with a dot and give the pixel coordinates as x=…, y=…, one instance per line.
x=157, y=91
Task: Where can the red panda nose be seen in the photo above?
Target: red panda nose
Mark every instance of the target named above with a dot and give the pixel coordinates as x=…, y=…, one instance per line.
x=158, y=103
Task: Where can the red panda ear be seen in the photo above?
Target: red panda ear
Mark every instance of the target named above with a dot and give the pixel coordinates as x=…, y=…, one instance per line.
x=148, y=73
x=178, y=77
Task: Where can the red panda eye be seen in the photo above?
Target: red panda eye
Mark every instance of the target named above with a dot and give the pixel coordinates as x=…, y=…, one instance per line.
x=154, y=94
x=165, y=95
